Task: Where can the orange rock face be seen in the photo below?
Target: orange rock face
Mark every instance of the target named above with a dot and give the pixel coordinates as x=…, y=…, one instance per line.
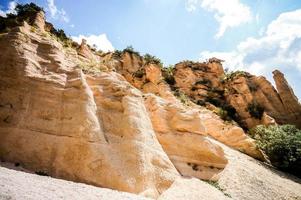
x=289, y=100
x=207, y=82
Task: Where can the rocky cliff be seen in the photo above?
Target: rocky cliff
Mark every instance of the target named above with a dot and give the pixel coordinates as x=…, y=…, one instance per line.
x=247, y=99
x=111, y=120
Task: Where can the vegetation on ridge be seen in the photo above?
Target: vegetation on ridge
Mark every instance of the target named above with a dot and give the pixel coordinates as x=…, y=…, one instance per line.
x=168, y=75
x=26, y=12
x=229, y=76
x=282, y=144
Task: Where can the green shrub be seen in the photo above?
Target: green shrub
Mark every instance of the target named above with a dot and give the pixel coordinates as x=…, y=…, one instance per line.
x=234, y=74
x=130, y=49
x=117, y=54
x=24, y=12
x=27, y=9
x=223, y=114
x=255, y=110
x=168, y=75
x=181, y=96
x=149, y=59
x=282, y=144
x=61, y=37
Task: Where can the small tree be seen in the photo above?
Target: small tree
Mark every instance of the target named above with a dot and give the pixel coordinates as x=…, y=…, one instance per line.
x=130, y=49
x=168, y=75
x=27, y=9
x=24, y=12
x=149, y=59
x=282, y=144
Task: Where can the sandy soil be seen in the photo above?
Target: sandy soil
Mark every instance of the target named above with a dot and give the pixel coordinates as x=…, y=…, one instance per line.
x=27, y=186
x=245, y=178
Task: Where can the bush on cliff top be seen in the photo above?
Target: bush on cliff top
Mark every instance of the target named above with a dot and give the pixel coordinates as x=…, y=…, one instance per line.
x=27, y=12
x=282, y=144
x=234, y=74
x=24, y=12
x=130, y=49
x=168, y=75
x=149, y=59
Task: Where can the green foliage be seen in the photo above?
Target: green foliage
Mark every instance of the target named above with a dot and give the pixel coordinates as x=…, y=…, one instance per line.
x=255, y=110
x=61, y=37
x=168, y=75
x=27, y=9
x=130, y=49
x=149, y=59
x=117, y=54
x=27, y=12
x=282, y=144
x=181, y=96
x=24, y=12
x=223, y=114
x=234, y=74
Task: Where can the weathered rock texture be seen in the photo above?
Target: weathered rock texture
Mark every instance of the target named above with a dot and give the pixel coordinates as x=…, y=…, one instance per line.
x=288, y=98
x=112, y=121
x=180, y=133
x=57, y=120
x=148, y=78
x=206, y=82
x=94, y=127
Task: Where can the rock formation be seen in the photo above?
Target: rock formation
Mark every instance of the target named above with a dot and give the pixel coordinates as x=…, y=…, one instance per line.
x=239, y=91
x=112, y=120
x=288, y=98
x=60, y=121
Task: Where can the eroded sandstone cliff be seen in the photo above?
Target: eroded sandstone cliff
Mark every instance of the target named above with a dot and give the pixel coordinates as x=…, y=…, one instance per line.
x=111, y=120
x=250, y=100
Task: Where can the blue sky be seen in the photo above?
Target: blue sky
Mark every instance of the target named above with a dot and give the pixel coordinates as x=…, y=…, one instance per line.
x=253, y=35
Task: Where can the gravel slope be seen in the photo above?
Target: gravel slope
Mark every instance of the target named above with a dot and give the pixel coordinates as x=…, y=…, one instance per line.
x=245, y=178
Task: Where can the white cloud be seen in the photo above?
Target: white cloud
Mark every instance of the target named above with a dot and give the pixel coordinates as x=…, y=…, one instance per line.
x=101, y=41
x=278, y=47
x=11, y=9
x=228, y=14
x=56, y=13
x=191, y=5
